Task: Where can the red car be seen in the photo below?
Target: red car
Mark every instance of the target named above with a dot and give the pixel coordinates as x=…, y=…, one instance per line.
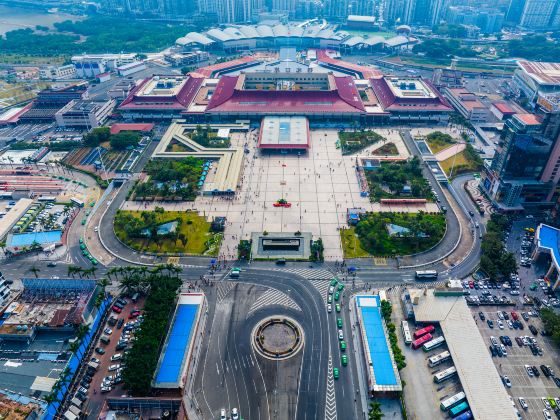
x=514, y=315
x=287, y=205
x=134, y=314
x=116, y=309
x=471, y=284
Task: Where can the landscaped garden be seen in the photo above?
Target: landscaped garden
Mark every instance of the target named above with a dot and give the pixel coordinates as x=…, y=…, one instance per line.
x=170, y=180
x=439, y=141
x=392, y=234
x=398, y=180
x=463, y=162
x=208, y=137
x=167, y=232
x=353, y=141
x=388, y=149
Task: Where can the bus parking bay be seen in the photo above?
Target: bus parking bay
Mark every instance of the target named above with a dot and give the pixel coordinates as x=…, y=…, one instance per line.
x=532, y=389
x=427, y=394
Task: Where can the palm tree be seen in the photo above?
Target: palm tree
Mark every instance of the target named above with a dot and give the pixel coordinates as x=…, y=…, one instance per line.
x=73, y=269
x=34, y=270
x=375, y=412
x=92, y=270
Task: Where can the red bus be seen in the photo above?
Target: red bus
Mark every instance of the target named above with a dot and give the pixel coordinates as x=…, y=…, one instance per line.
x=425, y=330
x=416, y=344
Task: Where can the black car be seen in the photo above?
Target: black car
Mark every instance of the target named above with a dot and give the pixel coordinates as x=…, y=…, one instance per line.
x=533, y=330
x=482, y=317
x=556, y=381
x=506, y=316
x=493, y=351
x=120, y=323
x=100, y=350
x=534, y=350
x=545, y=371
x=281, y=261
x=122, y=301
x=80, y=396
x=490, y=323
x=536, y=371
x=120, y=346
x=87, y=378
x=503, y=339
x=84, y=384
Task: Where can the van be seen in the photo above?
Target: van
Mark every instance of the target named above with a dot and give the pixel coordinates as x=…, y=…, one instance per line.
x=93, y=366
x=135, y=297
x=105, y=339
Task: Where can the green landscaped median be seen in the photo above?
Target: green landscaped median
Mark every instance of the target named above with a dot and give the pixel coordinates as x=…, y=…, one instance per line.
x=392, y=234
x=192, y=234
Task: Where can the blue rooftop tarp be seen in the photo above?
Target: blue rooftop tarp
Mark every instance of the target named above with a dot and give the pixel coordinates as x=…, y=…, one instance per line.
x=27, y=239
x=549, y=237
x=177, y=344
x=377, y=344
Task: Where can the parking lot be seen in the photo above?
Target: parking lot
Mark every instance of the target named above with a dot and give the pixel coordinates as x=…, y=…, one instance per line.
x=531, y=388
x=426, y=396
x=106, y=380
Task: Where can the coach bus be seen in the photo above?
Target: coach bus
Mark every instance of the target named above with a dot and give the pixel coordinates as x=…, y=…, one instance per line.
x=428, y=329
x=426, y=275
x=438, y=359
x=77, y=201
x=453, y=400
x=416, y=344
x=467, y=415
x=406, y=333
x=445, y=374
x=458, y=409
x=432, y=344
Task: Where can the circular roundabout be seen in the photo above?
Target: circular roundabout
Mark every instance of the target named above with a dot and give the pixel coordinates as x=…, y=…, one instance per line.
x=277, y=337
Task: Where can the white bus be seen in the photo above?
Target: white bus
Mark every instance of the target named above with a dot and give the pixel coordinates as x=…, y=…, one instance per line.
x=46, y=198
x=406, y=333
x=426, y=275
x=439, y=359
x=432, y=344
x=77, y=201
x=451, y=401
x=445, y=374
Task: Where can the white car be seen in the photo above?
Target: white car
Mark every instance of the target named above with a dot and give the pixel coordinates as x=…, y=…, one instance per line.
x=507, y=382
x=116, y=356
x=96, y=229
x=500, y=325
x=523, y=403
x=340, y=335
x=510, y=325
x=108, y=331
x=223, y=414
x=504, y=351
x=331, y=290
x=234, y=414
x=529, y=370
x=500, y=315
x=329, y=308
x=546, y=403
x=546, y=415
x=114, y=367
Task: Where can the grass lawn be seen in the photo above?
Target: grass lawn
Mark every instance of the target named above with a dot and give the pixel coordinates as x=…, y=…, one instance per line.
x=387, y=149
x=437, y=145
x=462, y=164
x=351, y=246
x=200, y=241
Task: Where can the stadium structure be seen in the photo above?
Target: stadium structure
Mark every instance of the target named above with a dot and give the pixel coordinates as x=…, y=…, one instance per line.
x=304, y=35
x=324, y=90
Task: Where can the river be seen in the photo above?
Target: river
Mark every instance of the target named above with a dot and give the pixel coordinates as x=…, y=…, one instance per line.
x=12, y=18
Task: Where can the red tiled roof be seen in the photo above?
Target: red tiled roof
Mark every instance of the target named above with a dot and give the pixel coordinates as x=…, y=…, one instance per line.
x=392, y=103
x=366, y=72
x=530, y=119
x=180, y=101
x=504, y=108
x=145, y=127
x=345, y=99
x=16, y=116
x=209, y=70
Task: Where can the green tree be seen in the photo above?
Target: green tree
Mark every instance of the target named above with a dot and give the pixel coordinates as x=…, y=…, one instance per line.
x=97, y=136
x=375, y=412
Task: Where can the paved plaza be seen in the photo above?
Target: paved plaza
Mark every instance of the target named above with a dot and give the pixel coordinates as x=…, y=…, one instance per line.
x=321, y=185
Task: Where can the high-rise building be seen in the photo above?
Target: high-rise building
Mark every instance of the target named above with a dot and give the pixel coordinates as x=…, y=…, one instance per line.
x=438, y=9
x=538, y=14
x=288, y=7
x=169, y=9
x=394, y=11
x=514, y=12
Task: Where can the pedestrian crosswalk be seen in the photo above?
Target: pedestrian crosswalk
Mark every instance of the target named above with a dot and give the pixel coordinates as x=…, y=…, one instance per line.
x=309, y=273
x=330, y=403
x=323, y=287
x=223, y=289
x=273, y=297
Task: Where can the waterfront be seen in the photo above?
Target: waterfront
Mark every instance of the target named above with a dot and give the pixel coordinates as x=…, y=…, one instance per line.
x=12, y=18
